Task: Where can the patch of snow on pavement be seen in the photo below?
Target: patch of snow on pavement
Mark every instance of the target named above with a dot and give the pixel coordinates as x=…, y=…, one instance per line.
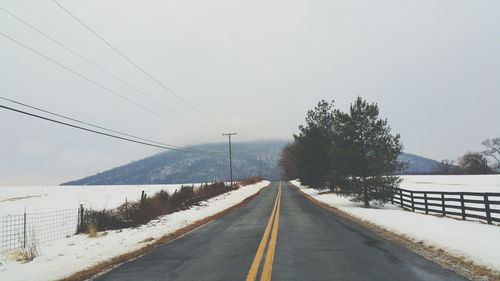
x=63, y=257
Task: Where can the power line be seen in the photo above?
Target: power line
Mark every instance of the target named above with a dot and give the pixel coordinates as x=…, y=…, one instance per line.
x=89, y=61
x=91, y=130
x=86, y=123
x=85, y=77
x=127, y=58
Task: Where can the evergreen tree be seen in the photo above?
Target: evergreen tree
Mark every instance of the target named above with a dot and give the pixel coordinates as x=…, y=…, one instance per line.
x=353, y=153
x=312, y=145
x=365, y=155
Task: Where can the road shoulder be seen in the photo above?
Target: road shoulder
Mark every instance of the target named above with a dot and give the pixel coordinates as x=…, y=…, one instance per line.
x=114, y=262
x=458, y=264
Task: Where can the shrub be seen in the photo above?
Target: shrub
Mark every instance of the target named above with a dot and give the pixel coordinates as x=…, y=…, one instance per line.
x=28, y=253
x=250, y=181
x=209, y=191
x=92, y=231
x=183, y=197
x=132, y=214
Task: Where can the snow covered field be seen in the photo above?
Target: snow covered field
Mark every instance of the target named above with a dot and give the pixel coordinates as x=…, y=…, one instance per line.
x=52, y=211
x=466, y=183
x=14, y=199
x=63, y=257
x=475, y=241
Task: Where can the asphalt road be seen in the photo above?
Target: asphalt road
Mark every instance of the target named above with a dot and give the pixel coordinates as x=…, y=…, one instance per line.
x=280, y=236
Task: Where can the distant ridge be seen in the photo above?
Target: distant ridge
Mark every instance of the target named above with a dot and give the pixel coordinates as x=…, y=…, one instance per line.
x=418, y=164
x=179, y=167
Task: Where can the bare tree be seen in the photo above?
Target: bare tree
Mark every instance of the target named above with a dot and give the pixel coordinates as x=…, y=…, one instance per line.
x=474, y=163
x=493, y=150
x=446, y=167
x=288, y=163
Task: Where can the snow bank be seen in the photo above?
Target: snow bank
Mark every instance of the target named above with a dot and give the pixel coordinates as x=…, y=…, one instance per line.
x=477, y=242
x=63, y=257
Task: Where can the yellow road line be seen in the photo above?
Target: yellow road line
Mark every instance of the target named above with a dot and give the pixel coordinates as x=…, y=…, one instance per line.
x=254, y=268
x=268, y=262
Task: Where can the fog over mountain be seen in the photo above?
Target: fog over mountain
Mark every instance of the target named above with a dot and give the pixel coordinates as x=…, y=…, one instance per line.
x=211, y=163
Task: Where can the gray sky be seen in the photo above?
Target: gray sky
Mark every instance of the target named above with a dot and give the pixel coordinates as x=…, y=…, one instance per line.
x=254, y=66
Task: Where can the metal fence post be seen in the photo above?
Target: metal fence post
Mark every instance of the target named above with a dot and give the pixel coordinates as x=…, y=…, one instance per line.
x=80, y=219
x=24, y=229
x=487, y=208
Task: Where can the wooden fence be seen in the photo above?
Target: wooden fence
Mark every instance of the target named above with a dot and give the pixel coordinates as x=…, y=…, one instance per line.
x=482, y=206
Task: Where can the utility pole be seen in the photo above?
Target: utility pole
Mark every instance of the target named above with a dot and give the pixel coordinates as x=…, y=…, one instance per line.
x=230, y=156
x=260, y=165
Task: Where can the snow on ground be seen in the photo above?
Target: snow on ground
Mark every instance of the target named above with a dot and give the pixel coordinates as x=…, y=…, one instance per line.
x=466, y=183
x=477, y=242
x=69, y=255
x=52, y=211
x=460, y=183
x=14, y=199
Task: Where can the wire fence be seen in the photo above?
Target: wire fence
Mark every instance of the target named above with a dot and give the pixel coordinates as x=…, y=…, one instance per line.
x=17, y=231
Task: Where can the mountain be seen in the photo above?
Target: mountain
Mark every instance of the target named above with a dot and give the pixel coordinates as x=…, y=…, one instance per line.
x=211, y=163
x=417, y=164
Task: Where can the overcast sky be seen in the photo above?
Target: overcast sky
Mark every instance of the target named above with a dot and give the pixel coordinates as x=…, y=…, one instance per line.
x=253, y=66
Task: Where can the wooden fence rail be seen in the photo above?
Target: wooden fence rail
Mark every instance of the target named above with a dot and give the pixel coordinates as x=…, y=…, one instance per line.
x=477, y=205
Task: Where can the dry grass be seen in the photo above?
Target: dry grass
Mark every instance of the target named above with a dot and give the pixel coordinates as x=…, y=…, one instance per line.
x=23, y=255
x=106, y=265
x=92, y=231
x=132, y=214
x=459, y=264
x=250, y=181
x=27, y=254
x=149, y=239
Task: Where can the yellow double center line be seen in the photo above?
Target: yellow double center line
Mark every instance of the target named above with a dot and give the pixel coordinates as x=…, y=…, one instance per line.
x=272, y=229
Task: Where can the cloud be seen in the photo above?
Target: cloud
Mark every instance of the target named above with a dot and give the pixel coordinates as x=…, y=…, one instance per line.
x=32, y=147
x=432, y=68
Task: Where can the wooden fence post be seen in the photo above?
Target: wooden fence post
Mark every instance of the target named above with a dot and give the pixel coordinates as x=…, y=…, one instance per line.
x=487, y=208
x=401, y=198
x=143, y=197
x=462, y=203
x=412, y=202
x=79, y=228
x=425, y=202
x=443, y=205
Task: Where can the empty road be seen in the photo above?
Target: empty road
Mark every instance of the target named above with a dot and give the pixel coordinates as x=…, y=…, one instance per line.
x=280, y=235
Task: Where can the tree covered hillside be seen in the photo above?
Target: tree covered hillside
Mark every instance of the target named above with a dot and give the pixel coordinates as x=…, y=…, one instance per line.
x=178, y=167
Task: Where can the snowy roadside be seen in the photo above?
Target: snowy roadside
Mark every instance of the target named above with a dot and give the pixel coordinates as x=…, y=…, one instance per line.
x=476, y=242
x=63, y=257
